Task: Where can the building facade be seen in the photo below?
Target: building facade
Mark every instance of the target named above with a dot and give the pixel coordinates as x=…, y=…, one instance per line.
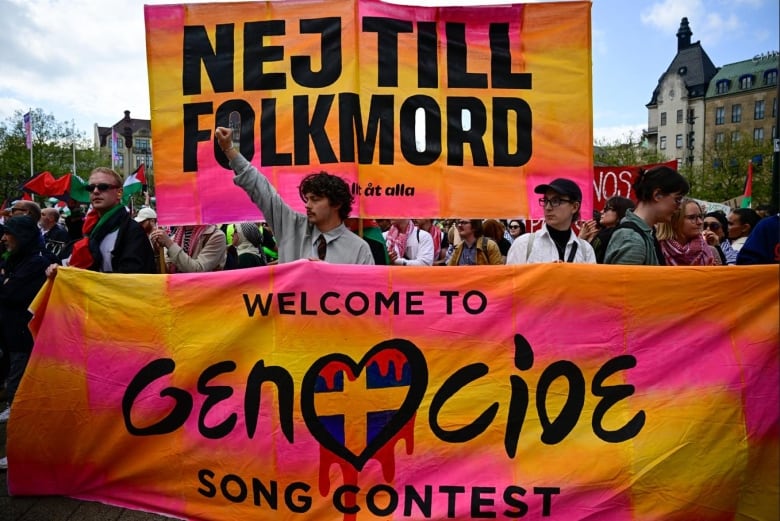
x=696, y=105
x=675, y=114
x=742, y=101
x=129, y=141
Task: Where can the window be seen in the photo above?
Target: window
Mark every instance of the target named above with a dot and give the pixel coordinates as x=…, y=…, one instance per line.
x=719, y=138
x=758, y=134
x=678, y=141
x=720, y=115
x=770, y=77
x=735, y=136
x=722, y=87
x=662, y=146
x=143, y=145
x=746, y=81
x=679, y=116
x=736, y=113
x=663, y=119
x=691, y=116
x=774, y=108
x=758, y=111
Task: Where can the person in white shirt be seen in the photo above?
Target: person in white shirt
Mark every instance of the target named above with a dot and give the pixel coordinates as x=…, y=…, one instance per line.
x=408, y=245
x=555, y=242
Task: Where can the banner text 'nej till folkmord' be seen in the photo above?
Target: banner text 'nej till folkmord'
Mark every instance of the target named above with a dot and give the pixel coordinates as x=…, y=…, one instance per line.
x=563, y=392
x=431, y=111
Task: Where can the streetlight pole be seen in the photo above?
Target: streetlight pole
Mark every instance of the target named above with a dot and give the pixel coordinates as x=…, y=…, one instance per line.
x=127, y=132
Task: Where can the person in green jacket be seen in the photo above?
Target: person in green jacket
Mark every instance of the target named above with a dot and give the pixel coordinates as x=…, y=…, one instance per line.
x=659, y=191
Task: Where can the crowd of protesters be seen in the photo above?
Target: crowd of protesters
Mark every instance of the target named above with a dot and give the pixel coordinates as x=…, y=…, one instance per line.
x=663, y=228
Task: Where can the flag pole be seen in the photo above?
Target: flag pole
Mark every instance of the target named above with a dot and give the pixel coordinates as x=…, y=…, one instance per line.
x=32, y=169
x=73, y=142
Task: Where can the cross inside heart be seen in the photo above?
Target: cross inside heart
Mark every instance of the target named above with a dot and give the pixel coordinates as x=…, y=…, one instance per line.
x=393, y=377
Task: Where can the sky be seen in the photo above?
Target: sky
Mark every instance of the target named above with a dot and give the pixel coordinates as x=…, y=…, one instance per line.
x=84, y=61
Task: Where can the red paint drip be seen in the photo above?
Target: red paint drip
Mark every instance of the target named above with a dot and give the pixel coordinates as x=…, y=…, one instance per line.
x=330, y=371
x=384, y=358
x=385, y=456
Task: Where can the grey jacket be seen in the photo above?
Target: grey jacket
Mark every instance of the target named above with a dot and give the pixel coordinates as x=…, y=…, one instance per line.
x=292, y=229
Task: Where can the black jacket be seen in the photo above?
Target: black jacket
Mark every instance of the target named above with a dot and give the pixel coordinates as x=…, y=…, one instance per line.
x=132, y=251
x=20, y=279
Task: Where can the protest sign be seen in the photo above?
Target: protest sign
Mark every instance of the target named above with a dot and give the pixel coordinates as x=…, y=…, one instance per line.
x=431, y=111
x=366, y=392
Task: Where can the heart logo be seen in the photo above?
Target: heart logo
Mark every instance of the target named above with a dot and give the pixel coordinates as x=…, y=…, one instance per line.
x=411, y=374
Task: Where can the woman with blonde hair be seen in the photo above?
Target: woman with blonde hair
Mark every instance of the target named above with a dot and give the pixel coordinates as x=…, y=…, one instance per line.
x=682, y=241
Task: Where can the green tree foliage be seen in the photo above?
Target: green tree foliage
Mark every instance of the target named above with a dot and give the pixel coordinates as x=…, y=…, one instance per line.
x=629, y=150
x=721, y=175
x=53, y=145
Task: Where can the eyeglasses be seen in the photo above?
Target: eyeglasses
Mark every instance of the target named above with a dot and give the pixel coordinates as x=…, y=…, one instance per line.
x=712, y=226
x=695, y=217
x=463, y=223
x=554, y=202
x=102, y=187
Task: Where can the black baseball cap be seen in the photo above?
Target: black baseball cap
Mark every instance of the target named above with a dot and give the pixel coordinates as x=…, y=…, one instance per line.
x=563, y=186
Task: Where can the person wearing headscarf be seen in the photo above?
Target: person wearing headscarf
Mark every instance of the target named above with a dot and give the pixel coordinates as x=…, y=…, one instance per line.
x=248, y=242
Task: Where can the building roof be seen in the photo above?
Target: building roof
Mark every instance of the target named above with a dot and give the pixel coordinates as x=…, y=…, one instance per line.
x=694, y=67
x=733, y=72
x=135, y=125
x=691, y=63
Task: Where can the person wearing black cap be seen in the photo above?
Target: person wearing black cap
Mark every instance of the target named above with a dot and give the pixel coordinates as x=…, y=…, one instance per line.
x=555, y=242
x=21, y=276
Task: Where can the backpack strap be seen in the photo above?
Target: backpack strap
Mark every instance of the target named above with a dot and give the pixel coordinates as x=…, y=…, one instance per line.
x=529, y=246
x=656, y=245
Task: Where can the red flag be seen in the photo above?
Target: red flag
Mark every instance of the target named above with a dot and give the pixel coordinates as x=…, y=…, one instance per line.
x=46, y=185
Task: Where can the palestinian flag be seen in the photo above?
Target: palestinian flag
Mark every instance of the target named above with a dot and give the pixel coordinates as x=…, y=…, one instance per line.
x=747, y=199
x=135, y=183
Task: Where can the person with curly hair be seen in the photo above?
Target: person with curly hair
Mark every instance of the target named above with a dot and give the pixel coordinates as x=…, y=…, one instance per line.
x=320, y=233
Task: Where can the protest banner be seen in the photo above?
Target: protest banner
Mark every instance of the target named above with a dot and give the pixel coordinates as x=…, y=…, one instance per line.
x=317, y=391
x=439, y=111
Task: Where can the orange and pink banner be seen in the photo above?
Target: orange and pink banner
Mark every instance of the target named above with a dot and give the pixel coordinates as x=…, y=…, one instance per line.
x=317, y=391
x=424, y=111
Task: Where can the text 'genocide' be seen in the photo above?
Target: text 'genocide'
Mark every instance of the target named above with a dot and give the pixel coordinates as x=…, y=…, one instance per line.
x=419, y=118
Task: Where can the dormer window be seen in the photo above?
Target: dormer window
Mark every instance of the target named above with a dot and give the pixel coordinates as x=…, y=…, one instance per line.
x=722, y=87
x=746, y=81
x=770, y=77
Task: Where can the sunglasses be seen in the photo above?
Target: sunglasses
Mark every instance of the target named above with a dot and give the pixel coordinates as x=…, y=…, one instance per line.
x=712, y=226
x=513, y=226
x=101, y=187
x=608, y=209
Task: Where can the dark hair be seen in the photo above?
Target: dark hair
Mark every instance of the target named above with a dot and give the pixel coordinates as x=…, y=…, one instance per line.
x=663, y=178
x=323, y=184
x=620, y=205
x=519, y=222
x=476, y=226
x=721, y=217
x=747, y=216
x=493, y=229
